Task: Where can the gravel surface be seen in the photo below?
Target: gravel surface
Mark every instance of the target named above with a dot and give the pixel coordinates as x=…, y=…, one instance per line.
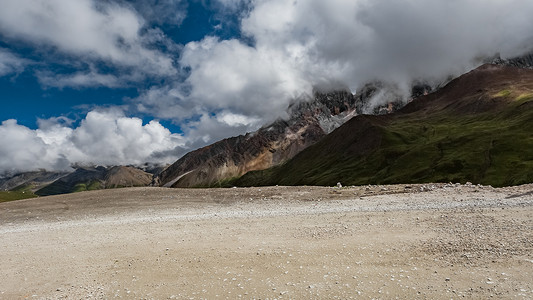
x=438, y=241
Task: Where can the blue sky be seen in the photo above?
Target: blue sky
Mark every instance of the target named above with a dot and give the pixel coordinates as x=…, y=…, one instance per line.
x=127, y=82
x=25, y=99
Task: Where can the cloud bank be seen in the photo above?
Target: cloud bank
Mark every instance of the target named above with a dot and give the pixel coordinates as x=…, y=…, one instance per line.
x=103, y=137
x=292, y=48
x=299, y=45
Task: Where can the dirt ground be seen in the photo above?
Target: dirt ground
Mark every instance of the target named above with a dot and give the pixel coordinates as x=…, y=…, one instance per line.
x=433, y=241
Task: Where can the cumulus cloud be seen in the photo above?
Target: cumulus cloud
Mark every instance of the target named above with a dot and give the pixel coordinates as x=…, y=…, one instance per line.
x=23, y=150
x=251, y=81
x=166, y=102
x=103, y=137
x=110, y=138
x=89, y=30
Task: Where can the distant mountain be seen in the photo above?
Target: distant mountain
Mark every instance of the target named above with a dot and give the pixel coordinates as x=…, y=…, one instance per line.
x=477, y=128
x=121, y=176
x=93, y=178
x=308, y=122
x=30, y=181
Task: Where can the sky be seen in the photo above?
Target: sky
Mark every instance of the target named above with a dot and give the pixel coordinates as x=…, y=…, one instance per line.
x=145, y=81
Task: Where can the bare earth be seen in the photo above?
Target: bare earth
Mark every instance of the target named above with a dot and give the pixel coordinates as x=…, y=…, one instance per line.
x=421, y=241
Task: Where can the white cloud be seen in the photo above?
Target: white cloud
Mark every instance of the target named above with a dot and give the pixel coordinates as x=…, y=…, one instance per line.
x=103, y=137
x=22, y=149
x=251, y=81
x=87, y=30
x=166, y=102
x=11, y=63
x=359, y=41
x=111, y=138
x=201, y=122
x=235, y=120
x=234, y=85
x=301, y=45
x=209, y=128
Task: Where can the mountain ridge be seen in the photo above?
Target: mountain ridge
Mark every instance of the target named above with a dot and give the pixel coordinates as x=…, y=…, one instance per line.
x=473, y=129
x=308, y=122
x=99, y=177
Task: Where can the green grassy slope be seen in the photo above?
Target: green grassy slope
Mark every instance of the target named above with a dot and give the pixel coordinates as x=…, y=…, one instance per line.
x=477, y=129
x=18, y=193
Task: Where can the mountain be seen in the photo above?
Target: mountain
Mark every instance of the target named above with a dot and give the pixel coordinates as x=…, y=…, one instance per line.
x=121, y=176
x=525, y=61
x=93, y=178
x=477, y=128
x=308, y=122
x=30, y=181
x=23, y=185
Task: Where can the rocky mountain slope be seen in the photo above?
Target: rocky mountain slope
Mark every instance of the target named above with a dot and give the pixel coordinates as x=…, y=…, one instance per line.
x=524, y=61
x=477, y=128
x=271, y=145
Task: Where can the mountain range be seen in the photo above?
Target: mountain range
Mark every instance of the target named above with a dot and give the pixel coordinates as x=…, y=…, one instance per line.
x=477, y=128
x=94, y=178
x=83, y=178
x=472, y=129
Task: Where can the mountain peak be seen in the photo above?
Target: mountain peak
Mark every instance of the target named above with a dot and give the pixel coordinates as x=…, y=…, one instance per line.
x=307, y=123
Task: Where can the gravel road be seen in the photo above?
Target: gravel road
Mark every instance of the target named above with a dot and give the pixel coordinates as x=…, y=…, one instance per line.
x=438, y=241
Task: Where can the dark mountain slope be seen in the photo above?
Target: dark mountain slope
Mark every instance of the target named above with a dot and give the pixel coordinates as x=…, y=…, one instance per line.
x=477, y=128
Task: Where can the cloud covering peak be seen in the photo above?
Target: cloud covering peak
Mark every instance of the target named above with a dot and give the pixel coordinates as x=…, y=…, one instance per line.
x=298, y=46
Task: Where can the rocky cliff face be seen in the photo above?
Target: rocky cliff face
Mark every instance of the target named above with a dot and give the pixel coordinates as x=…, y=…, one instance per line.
x=525, y=61
x=308, y=122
